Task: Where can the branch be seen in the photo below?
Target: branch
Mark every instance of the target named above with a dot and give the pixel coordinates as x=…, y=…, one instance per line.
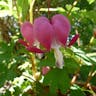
x=75, y=76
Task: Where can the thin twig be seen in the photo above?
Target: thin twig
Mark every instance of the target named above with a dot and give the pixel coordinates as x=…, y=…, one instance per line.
x=89, y=77
x=73, y=5
x=83, y=83
x=75, y=76
x=78, y=41
x=48, y=3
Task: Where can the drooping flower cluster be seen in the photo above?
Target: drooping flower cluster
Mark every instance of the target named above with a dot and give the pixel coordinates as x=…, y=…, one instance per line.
x=51, y=34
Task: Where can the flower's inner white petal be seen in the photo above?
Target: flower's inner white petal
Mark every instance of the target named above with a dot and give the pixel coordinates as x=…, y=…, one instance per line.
x=59, y=58
x=58, y=55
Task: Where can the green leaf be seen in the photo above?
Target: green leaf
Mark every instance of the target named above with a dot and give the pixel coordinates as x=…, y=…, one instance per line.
x=76, y=91
x=57, y=79
x=92, y=60
x=92, y=14
x=17, y=91
x=3, y=5
x=93, y=80
x=71, y=65
x=8, y=68
x=81, y=56
x=8, y=93
x=90, y=1
x=7, y=74
x=84, y=71
x=23, y=7
x=49, y=60
x=1, y=94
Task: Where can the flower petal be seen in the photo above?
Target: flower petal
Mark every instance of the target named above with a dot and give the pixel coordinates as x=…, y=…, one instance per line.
x=24, y=43
x=42, y=18
x=27, y=32
x=36, y=50
x=62, y=28
x=31, y=48
x=73, y=40
x=43, y=31
x=45, y=70
x=59, y=58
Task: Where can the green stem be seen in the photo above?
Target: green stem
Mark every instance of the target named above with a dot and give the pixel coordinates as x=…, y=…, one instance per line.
x=73, y=5
x=31, y=10
x=48, y=8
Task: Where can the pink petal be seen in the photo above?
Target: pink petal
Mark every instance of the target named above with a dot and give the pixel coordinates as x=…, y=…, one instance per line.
x=45, y=70
x=27, y=32
x=73, y=40
x=23, y=42
x=36, y=50
x=62, y=28
x=43, y=31
x=31, y=49
x=42, y=18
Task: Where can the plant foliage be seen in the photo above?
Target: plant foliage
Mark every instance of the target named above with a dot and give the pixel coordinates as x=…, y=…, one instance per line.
x=21, y=71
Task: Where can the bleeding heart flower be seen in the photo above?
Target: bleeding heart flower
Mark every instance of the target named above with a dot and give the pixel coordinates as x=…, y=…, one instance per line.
x=51, y=34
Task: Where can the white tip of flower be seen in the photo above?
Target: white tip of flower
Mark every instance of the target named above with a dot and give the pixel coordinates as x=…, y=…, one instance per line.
x=59, y=65
x=59, y=58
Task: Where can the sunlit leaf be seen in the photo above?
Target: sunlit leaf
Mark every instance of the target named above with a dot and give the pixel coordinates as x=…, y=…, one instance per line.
x=90, y=1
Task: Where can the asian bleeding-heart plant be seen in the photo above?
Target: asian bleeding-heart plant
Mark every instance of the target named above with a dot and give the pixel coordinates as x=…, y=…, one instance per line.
x=51, y=34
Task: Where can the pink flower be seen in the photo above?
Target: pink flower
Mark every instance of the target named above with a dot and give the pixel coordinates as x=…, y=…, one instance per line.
x=51, y=34
x=45, y=70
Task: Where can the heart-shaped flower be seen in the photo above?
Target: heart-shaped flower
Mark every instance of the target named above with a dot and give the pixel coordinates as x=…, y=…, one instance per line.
x=51, y=34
